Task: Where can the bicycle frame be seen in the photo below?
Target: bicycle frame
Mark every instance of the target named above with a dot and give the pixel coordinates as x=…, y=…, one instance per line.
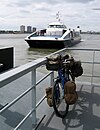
x=63, y=77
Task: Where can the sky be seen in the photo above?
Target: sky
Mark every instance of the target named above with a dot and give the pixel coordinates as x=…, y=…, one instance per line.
x=39, y=13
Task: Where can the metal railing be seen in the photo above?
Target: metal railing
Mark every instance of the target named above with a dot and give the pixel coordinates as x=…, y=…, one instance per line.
x=12, y=75
x=91, y=58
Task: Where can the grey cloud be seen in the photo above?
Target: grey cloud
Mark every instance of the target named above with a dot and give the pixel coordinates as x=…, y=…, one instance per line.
x=25, y=11
x=43, y=9
x=25, y=3
x=96, y=9
x=59, y=1
x=47, y=1
x=21, y=3
x=78, y=1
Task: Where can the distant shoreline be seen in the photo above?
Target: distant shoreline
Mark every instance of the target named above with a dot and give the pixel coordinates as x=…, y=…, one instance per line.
x=19, y=32
x=90, y=32
x=14, y=32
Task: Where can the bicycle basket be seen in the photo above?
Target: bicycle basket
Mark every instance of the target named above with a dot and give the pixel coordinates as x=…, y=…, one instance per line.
x=77, y=69
x=54, y=62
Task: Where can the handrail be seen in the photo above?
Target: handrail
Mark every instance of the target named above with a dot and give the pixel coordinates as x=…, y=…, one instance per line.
x=18, y=72
x=23, y=94
x=10, y=76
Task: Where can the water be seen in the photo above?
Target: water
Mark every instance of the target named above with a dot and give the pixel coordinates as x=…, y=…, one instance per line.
x=25, y=54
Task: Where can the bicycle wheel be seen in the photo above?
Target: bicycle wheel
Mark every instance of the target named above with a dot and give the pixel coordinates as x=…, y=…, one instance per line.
x=59, y=104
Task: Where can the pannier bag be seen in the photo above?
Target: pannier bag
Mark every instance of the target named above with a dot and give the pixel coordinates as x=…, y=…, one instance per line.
x=77, y=69
x=53, y=62
x=70, y=95
x=49, y=96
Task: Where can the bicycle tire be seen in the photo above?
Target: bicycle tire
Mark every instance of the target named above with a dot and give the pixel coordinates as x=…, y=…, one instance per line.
x=59, y=113
x=57, y=103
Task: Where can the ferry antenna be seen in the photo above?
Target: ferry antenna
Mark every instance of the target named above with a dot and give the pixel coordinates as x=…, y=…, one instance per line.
x=58, y=16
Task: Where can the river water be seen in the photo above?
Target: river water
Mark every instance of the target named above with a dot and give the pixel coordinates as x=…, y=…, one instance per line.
x=24, y=54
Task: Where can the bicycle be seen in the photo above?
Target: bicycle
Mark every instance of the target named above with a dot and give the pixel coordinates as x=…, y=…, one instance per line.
x=64, y=75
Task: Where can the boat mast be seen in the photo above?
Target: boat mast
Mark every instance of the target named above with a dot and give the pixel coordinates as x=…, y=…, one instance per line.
x=58, y=16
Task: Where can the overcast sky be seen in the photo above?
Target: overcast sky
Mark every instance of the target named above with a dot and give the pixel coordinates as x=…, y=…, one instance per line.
x=38, y=13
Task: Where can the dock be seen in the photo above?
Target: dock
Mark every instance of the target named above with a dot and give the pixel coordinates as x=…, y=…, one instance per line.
x=21, y=88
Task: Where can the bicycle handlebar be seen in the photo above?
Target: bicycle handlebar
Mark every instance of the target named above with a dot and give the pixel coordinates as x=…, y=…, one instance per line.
x=67, y=58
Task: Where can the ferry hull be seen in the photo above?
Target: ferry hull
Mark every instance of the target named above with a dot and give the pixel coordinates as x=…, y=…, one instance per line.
x=52, y=44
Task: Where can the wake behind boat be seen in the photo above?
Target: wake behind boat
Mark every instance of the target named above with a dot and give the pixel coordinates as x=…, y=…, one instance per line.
x=56, y=35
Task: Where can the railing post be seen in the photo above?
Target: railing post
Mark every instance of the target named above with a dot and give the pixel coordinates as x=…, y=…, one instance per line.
x=93, y=67
x=34, y=96
x=52, y=78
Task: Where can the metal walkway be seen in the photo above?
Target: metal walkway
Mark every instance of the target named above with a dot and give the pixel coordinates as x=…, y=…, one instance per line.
x=84, y=115
x=22, y=98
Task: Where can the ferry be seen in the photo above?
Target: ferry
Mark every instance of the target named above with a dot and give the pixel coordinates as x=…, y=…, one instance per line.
x=56, y=35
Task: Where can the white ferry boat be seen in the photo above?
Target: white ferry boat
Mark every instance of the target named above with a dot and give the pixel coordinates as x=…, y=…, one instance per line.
x=56, y=35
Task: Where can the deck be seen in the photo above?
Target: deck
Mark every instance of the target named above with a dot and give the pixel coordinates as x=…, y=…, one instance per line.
x=84, y=115
x=21, y=91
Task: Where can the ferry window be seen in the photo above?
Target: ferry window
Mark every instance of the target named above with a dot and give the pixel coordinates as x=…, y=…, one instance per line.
x=57, y=26
x=52, y=26
x=64, y=26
